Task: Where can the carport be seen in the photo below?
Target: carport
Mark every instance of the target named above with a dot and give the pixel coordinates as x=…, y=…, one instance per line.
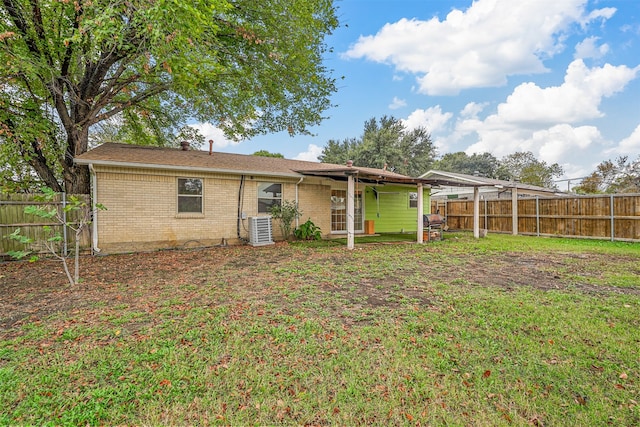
x=437, y=178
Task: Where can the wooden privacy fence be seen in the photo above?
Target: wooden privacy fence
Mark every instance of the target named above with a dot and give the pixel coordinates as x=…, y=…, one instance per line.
x=12, y=217
x=614, y=217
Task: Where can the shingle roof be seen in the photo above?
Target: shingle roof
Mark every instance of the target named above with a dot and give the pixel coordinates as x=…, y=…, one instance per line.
x=126, y=155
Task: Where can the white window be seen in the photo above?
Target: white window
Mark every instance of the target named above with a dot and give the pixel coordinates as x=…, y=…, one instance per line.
x=413, y=199
x=269, y=194
x=189, y=195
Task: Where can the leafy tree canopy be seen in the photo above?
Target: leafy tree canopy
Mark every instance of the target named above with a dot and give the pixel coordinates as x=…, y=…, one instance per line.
x=484, y=164
x=265, y=153
x=524, y=167
x=112, y=130
x=385, y=142
x=247, y=66
x=619, y=176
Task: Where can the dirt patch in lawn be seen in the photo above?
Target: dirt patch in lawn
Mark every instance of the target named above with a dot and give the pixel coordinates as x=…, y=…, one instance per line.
x=31, y=291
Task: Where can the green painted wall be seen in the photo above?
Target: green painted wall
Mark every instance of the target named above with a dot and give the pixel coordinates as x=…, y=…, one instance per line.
x=391, y=212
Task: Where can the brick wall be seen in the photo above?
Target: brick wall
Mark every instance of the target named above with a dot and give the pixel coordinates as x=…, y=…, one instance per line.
x=314, y=200
x=142, y=208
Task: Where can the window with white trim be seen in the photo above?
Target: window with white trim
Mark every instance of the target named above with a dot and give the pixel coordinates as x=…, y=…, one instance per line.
x=413, y=199
x=269, y=194
x=189, y=195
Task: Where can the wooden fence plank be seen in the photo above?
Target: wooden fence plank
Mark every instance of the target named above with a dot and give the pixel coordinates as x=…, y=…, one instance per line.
x=572, y=216
x=12, y=217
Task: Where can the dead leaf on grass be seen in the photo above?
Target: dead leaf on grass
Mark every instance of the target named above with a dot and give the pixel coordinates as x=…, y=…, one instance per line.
x=581, y=399
x=537, y=422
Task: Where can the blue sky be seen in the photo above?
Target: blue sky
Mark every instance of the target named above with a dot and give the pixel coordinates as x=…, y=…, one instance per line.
x=559, y=78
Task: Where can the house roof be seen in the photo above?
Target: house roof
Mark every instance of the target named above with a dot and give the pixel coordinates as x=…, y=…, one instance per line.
x=443, y=178
x=137, y=156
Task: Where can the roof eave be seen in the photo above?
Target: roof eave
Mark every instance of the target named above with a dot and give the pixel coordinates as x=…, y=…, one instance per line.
x=154, y=166
x=362, y=175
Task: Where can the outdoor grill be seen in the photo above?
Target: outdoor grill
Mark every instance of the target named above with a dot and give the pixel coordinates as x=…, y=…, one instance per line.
x=433, y=225
x=433, y=220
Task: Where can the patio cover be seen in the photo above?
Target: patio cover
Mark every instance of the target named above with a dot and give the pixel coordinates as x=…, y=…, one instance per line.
x=377, y=176
x=440, y=178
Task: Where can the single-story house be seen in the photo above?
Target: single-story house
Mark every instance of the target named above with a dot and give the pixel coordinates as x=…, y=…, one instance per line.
x=170, y=197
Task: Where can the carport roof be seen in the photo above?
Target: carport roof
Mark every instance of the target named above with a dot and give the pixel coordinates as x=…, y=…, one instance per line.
x=443, y=178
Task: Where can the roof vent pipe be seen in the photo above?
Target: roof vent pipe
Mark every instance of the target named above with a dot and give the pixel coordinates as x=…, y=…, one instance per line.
x=210, y=146
x=184, y=145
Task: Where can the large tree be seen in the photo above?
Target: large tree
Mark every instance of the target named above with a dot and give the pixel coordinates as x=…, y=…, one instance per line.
x=267, y=153
x=484, y=164
x=385, y=142
x=247, y=66
x=619, y=176
x=524, y=167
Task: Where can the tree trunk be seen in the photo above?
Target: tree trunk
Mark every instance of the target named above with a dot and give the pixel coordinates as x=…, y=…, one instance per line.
x=77, y=180
x=39, y=163
x=76, y=177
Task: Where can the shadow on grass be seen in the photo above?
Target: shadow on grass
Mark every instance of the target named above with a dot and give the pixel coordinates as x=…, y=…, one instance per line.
x=361, y=239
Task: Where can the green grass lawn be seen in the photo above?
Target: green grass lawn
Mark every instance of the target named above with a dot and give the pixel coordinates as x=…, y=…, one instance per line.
x=446, y=333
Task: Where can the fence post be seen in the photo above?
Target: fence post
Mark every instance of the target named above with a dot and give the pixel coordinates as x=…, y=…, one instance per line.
x=612, y=217
x=538, y=215
x=514, y=211
x=476, y=212
x=486, y=226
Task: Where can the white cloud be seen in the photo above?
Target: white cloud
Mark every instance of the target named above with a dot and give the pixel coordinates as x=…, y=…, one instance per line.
x=432, y=118
x=561, y=142
x=311, y=155
x=588, y=49
x=604, y=13
x=397, y=103
x=478, y=47
x=549, y=121
x=578, y=98
x=209, y=131
x=555, y=144
x=628, y=146
x=631, y=28
x=472, y=109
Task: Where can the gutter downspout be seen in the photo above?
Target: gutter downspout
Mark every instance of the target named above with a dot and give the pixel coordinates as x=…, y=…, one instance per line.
x=297, y=204
x=94, y=210
x=240, y=206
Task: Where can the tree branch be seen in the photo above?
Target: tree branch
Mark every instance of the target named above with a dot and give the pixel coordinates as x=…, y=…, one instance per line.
x=20, y=22
x=133, y=101
x=33, y=154
x=68, y=53
x=39, y=29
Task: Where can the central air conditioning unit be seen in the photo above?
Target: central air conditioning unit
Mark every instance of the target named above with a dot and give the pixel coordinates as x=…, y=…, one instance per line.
x=260, y=230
